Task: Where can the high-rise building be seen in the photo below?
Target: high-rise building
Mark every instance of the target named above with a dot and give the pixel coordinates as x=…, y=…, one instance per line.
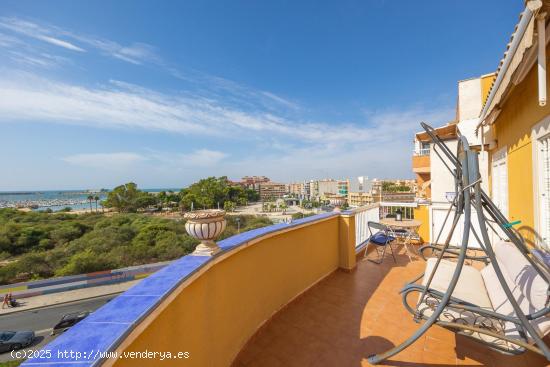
x=271, y=190
x=343, y=187
x=360, y=184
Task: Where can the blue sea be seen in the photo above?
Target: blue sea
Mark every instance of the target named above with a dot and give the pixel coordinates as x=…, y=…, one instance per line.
x=56, y=199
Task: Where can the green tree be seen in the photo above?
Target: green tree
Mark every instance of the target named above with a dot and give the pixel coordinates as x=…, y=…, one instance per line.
x=90, y=199
x=86, y=262
x=96, y=199
x=229, y=206
x=128, y=199
x=252, y=195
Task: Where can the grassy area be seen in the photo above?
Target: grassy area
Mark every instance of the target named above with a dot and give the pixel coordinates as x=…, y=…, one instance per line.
x=11, y=363
x=44, y=245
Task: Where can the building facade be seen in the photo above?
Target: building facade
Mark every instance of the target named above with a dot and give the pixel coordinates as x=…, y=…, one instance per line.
x=271, y=190
x=357, y=199
x=515, y=124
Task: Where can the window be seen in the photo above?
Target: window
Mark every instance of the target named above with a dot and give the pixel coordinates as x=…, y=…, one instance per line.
x=6, y=335
x=544, y=188
x=499, y=179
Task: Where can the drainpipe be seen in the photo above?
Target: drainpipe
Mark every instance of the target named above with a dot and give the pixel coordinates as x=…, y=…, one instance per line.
x=541, y=30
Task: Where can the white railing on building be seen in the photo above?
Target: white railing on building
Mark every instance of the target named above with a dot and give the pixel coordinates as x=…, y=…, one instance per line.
x=390, y=207
x=363, y=215
x=423, y=151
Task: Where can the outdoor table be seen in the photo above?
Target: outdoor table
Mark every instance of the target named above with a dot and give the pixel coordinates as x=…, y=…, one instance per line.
x=409, y=225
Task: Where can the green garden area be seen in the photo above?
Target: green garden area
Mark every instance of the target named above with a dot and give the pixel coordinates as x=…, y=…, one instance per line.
x=35, y=245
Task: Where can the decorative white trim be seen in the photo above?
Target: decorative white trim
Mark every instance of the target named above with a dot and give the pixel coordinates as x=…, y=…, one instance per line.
x=540, y=130
x=499, y=155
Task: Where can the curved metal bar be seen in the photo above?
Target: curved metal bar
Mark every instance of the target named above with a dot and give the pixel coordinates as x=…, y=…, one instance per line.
x=447, y=242
x=496, y=267
x=375, y=359
x=467, y=174
x=490, y=207
x=452, y=251
x=518, y=342
x=418, y=288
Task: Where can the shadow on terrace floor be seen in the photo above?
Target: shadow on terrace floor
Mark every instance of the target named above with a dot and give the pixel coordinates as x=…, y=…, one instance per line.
x=349, y=316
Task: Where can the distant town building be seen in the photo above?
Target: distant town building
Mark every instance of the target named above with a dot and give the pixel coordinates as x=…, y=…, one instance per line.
x=253, y=182
x=401, y=197
x=343, y=187
x=267, y=189
x=360, y=198
x=319, y=189
x=360, y=184
x=296, y=189
x=271, y=190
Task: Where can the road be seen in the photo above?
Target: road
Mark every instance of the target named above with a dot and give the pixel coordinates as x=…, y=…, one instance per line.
x=43, y=319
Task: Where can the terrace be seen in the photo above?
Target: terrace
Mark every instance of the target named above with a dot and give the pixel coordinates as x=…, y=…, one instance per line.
x=295, y=294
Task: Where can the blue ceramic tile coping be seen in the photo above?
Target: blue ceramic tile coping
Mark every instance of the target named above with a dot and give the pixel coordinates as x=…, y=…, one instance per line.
x=104, y=329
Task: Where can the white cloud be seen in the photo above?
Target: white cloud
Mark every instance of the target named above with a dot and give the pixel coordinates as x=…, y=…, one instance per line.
x=123, y=105
x=105, y=160
x=60, y=43
x=167, y=161
x=137, y=53
x=36, y=31
x=202, y=158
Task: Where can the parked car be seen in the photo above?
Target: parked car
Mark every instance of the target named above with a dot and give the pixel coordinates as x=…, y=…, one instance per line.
x=69, y=320
x=13, y=340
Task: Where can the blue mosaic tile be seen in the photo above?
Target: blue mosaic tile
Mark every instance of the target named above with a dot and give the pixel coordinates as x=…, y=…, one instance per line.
x=84, y=338
x=164, y=280
x=124, y=309
x=244, y=237
x=103, y=328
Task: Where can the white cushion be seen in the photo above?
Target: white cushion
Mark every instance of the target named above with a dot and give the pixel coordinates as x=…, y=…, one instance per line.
x=500, y=302
x=470, y=286
x=483, y=289
x=525, y=277
x=521, y=274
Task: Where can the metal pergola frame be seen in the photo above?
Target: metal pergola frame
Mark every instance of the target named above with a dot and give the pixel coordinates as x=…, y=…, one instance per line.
x=469, y=194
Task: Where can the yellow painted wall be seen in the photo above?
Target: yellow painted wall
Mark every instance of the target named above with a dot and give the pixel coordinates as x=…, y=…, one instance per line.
x=420, y=161
x=422, y=213
x=346, y=240
x=486, y=83
x=520, y=113
x=215, y=315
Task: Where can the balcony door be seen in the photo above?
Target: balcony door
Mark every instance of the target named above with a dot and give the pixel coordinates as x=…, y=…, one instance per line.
x=544, y=188
x=499, y=180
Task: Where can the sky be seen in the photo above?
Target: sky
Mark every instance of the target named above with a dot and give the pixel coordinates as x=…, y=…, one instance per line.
x=94, y=94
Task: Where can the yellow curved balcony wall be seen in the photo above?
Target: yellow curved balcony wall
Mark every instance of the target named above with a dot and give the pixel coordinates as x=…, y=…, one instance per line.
x=214, y=312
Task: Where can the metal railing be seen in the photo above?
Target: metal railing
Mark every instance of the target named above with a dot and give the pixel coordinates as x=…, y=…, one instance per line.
x=423, y=151
x=375, y=212
x=363, y=215
x=388, y=207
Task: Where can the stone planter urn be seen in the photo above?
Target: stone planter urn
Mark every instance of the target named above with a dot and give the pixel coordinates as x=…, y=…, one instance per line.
x=205, y=226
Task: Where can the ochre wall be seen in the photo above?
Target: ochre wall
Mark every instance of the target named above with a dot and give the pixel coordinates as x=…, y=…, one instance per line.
x=421, y=161
x=520, y=113
x=421, y=178
x=214, y=315
x=486, y=82
x=422, y=213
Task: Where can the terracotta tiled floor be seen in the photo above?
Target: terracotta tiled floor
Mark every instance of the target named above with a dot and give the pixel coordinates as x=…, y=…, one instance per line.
x=349, y=316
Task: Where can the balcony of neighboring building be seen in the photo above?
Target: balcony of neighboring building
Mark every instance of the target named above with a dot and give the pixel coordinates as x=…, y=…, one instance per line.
x=421, y=160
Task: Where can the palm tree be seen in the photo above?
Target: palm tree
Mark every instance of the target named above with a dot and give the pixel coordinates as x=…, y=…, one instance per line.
x=90, y=199
x=96, y=199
